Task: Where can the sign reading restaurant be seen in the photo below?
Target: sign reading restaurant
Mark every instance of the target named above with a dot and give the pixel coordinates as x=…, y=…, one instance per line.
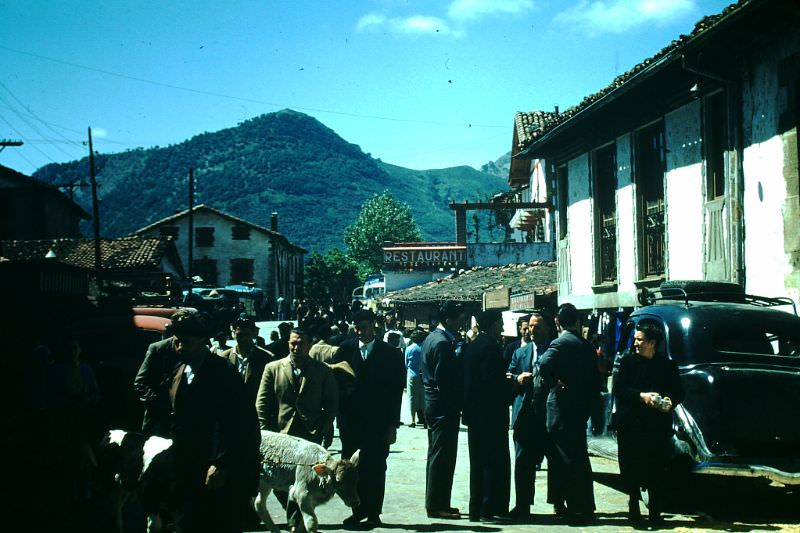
x=424, y=257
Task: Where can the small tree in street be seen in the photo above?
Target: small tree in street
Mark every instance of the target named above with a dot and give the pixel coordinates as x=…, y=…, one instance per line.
x=332, y=275
x=382, y=218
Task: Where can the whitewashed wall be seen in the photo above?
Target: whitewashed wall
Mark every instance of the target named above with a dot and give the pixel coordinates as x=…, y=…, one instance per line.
x=581, y=228
x=684, y=193
x=626, y=224
x=770, y=207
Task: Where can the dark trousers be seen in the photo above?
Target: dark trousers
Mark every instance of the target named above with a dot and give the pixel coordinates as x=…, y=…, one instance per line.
x=571, y=470
x=441, y=465
x=374, y=450
x=643, y=461
x=489, y=470
x=529, y=446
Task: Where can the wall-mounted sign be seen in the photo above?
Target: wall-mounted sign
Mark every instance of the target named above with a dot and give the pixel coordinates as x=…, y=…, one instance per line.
x=497, y=298
x=424, y=257
x=522, y=301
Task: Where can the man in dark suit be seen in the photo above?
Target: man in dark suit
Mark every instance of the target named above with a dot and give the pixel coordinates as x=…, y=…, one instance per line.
x=370, y=414
x=248, y=359
x=523, y=330
x=198, y=400
x=487, y=392
x=280, y=348
x=442, y=379
x=569, y=371
x=528, y=412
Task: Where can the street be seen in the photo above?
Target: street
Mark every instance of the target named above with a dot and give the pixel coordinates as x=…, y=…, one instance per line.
x=707, y=504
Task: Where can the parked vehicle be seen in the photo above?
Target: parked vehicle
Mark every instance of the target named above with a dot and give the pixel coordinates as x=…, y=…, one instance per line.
x=739, y=360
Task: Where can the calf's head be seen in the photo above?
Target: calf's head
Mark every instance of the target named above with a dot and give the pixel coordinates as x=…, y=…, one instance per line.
x=344, y=474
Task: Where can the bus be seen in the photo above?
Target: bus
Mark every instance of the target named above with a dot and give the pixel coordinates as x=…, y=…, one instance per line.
x=371, y=292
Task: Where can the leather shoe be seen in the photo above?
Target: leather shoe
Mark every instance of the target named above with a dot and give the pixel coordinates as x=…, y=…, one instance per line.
x=373, y=521
x=447, y=514
x=353, y=520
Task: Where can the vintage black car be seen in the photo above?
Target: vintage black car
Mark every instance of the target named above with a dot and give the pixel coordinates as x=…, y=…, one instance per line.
x=739, y=359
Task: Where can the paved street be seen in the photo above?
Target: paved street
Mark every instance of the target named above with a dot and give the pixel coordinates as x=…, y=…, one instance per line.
x=723, y=506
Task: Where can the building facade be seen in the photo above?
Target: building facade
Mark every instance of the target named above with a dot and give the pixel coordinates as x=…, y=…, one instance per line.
x=227, y=250
x=685, y=167
x=31, y=209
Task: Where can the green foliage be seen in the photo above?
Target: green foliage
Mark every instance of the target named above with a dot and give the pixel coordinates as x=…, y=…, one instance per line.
x=382, y=218
x=333, y=275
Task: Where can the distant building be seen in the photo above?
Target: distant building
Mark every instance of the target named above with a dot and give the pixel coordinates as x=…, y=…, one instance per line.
x=32, y=209
x=228, y=250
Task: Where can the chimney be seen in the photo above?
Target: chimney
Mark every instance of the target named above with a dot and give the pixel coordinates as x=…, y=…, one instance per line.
x=273, y=222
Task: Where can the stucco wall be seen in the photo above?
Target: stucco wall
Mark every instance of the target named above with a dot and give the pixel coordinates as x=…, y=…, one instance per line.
x=224, y=249
x=581, y=227
x=684, y=193
x=396, y=280
x=504, y=253
x=626, y=228
x=772, y=232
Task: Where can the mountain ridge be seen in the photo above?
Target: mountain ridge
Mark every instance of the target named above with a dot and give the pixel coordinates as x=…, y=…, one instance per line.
x=286, y=162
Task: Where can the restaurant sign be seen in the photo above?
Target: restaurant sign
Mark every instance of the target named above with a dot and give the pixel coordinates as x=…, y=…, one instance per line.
x=427, y=257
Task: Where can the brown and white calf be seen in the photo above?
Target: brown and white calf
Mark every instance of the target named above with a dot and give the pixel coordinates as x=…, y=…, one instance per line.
x=308, y=472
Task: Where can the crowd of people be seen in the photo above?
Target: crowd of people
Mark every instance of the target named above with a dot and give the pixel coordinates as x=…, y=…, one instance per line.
x=212, y=399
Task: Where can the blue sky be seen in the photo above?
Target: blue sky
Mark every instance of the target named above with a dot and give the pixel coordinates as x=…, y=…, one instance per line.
x=417, y=83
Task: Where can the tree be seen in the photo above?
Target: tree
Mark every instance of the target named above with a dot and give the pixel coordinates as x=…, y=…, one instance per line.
x=333, y=275
x=382, y=218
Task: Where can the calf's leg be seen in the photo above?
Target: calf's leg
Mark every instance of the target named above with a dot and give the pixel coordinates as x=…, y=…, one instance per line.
x=261, y=506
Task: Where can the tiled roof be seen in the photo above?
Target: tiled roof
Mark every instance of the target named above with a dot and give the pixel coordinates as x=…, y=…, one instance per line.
x=124, y=253
x=222, y=214
x=672, y=50
x=531, y=124
x=537, y=276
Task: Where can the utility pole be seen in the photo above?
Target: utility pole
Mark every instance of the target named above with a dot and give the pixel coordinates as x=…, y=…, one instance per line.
x=95, y=210
x=9, y=142
x=191, y=226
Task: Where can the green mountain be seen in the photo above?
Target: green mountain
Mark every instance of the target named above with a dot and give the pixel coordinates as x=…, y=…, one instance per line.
x=285, y=162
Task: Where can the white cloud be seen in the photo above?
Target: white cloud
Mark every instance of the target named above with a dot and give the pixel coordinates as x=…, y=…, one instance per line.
x=472, y=9
x=617, y=16
x=370, y=20
x=413, y=25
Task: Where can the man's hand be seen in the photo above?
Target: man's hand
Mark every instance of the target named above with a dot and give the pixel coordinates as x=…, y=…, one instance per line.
x=215, y=477
x=524, y=378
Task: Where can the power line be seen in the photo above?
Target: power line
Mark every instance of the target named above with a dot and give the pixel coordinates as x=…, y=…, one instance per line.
x=23, y=137
x=32, y=126
x=244, y=99
x=35, y=116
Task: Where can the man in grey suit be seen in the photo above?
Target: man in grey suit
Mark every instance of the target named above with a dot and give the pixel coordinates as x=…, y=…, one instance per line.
x=569, y=371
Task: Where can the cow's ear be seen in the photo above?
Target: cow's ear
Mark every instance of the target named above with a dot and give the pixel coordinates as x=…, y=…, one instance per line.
x=354, y=458
x=321, y=470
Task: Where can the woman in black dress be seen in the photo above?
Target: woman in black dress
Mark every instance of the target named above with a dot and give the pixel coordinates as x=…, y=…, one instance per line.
x=646, y=389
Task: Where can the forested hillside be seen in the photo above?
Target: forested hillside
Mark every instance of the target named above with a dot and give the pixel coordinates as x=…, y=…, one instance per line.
x=286, y=162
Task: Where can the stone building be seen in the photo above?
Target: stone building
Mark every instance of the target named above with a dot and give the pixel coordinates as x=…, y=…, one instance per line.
x=228, y=250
